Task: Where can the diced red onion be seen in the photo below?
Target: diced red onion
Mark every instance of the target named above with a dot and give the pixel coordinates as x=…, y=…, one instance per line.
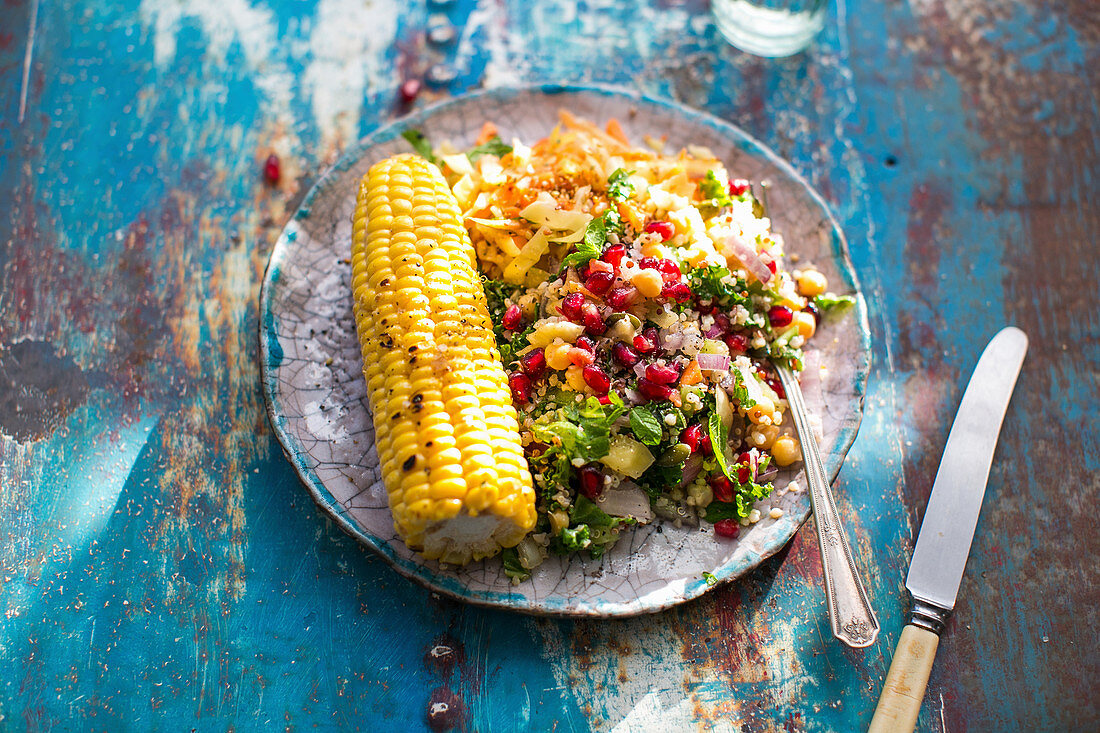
x=767, y=474
x=713, y=332
x=672, y=341
x=714, y=362
x=632, y=396
x=626, y=500
x=639, y=369
x=600, y=266
x=692, y=466
x=745, y=253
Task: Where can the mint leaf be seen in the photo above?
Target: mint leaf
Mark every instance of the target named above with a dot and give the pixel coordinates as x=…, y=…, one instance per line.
x=420, y=144
x=829, y=303
x=576, y=538
x=714, y=191
x=719, y=436
x=646, y=426
x=495, y=146
x=595, y=238
x=512, y=567
x=585, y=511
x=709, y=282
x=619, y=187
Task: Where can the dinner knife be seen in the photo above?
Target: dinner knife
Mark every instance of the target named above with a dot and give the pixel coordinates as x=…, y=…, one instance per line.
x=947, y=531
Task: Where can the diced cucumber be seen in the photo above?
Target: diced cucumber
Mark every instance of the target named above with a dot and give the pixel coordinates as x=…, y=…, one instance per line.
x=628, y=457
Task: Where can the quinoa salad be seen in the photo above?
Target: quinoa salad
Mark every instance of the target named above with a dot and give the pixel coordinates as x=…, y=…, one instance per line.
x=639, y=299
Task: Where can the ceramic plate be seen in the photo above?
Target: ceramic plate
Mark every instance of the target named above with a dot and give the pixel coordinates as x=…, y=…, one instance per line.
x=317, y=400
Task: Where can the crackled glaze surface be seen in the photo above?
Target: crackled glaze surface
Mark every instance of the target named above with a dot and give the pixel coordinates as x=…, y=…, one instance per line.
x=317, y=397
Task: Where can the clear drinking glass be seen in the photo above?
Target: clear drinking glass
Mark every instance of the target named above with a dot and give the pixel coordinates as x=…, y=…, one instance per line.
x=770, y=27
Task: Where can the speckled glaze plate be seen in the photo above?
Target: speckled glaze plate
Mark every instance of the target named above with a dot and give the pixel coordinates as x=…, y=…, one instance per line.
x=316, y=394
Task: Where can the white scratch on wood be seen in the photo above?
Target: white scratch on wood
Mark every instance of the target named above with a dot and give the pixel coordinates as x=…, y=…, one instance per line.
x=27, y=55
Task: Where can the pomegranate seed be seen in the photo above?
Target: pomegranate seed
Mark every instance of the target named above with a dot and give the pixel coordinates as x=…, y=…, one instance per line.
x=677, y=291
x=692, y=436
x=705, y=445
x=512, y=317
x=653, y=391
x=776, y=386
x=649, y=263
x=581, y=357
x=591, y=481
x=599, y=282
x=409, y=89
x=571, y=306
x=583, y=342
x=662, y=374
x=738, y=186
x=595, y=378
x=669, y=269
x=722, y=488
x=520, y=385
x=593, y=321
x=644, y=345
x=722, y=321
x=813, y=310
x=622, y=298
x=746, y=467
x=727, y=528
x=664, y=228
x=780, y=316
x=584, y=271
x=272, y=169
x=738, y=342
x=771, y=265
x=624, y=355
x=534, y=363
x=614, y=255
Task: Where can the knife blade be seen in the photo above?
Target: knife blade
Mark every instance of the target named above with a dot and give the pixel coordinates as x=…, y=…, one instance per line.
x=947, y=531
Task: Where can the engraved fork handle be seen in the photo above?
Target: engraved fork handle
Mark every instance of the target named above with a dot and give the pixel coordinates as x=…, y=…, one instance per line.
x=850, y=613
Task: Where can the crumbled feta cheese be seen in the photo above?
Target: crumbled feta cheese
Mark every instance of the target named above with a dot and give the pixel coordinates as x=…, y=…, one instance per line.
x=670, y=419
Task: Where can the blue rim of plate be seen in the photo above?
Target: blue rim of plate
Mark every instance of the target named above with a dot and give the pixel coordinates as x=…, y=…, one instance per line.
x=271, y=356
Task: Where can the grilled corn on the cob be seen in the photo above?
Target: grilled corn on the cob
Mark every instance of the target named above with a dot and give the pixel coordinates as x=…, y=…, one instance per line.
x=446, y=432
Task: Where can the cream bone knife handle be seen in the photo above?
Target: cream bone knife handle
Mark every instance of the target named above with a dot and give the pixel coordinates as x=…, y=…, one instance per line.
x=902, y=693
x=850, y=614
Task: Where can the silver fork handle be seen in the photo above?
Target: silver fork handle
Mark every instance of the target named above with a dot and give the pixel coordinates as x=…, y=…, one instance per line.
x=850, y=613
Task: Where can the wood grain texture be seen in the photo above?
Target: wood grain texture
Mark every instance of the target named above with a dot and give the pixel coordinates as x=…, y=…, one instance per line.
x=903, y=691
x=161, y=567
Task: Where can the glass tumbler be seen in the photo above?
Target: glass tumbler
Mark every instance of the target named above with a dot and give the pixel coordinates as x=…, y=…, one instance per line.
x=769, y=27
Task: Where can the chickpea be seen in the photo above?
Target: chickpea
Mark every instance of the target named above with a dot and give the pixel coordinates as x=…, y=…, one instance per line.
x=811, y=283
x=786, y=450
x=767, y=433
x=574, y=377
x=761, y=413
x=805, y=323
x=648, y=282
x=557, y=355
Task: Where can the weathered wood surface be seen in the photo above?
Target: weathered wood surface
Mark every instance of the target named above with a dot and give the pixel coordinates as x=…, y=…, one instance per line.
x=160, y=565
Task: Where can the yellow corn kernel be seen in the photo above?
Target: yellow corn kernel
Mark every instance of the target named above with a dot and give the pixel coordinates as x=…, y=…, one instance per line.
x=648, y=282
x=786, y=450
x=557, y=355
x=806, y=324
x=445, y=429
x=811, y=283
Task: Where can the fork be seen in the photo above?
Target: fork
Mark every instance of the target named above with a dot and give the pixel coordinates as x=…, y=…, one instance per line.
x=850, y=614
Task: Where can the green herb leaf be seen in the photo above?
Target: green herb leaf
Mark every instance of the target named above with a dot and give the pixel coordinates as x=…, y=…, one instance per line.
x=829, y=303
x=657, y=479
x=710, y=578
x=420, y=144
x=710, y=282
x=619, y=187
x=576, y=538
x=512, y=567
x=719, y=437
x=595, y=237
x=740, y=392
x=646, y=426
x=714, y=191
x=585, y=511
x=495, y=146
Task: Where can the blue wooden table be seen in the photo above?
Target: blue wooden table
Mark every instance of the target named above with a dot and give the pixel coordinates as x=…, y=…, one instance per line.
x=162, y=568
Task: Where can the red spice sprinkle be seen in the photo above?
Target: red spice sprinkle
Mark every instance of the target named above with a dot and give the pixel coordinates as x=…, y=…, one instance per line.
x=272, y=169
